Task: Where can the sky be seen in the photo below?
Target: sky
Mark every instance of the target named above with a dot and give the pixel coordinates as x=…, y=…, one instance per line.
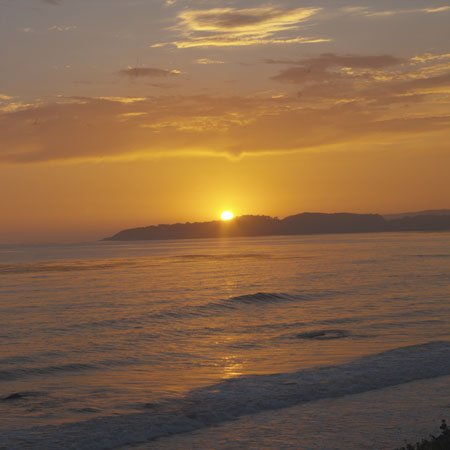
x=126, y=113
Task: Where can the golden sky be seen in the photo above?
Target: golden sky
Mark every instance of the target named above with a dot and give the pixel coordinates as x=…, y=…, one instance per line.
x=123, y=113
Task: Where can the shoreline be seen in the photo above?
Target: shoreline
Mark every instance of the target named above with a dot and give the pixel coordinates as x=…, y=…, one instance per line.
x=384, y=419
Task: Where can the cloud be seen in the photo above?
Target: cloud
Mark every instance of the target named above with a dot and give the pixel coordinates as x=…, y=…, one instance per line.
x=224, y=19
x=430, y=57
x=63, y=28
x=52, y=2
x=221, y=27
x=8, y=104
x=208, y=61
x=338, y=99
x=326, y=115
x=329, y=66
x=327, y=60
x=373, y=81
x=148, y=72
x=437, y=9
x=125, y=100
x=430, y=10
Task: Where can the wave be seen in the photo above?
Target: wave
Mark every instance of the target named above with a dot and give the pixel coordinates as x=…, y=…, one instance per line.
x=205, y=310
x=72, y=266
x=263, y=297
x=228, y=305
x=26, y=372
x=431, y=255
x=90, y=265
x=19, y=396
x=236, y=397
x=324, y=335
x=224, y=256
x=15, y=359
x=256, y=300
x=237, y=256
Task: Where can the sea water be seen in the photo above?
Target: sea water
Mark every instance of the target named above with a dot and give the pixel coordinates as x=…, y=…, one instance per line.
x=114, y=343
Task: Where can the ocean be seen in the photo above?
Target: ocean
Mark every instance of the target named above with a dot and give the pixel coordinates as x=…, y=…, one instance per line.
x=303, y=342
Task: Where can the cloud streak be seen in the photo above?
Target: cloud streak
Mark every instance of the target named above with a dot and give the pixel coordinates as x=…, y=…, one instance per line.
x=205, y=61
x=394, y=12
x=62, y=28
x=224, y=27
x=152, y=72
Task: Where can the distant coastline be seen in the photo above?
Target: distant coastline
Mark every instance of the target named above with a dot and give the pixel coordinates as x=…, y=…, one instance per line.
x=299, y=224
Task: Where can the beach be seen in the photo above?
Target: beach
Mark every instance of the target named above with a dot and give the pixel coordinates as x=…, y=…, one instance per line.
x=376, y=420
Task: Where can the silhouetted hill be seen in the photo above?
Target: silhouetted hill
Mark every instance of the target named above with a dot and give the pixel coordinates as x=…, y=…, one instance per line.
x=421, y=223
x=239, y=226
x=318, y=223
x=428, y=212
x=305, y=223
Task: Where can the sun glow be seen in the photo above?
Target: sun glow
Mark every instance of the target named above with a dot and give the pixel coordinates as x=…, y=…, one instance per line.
x=227, y=215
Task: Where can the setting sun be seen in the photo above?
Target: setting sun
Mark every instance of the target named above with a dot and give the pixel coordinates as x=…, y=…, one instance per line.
x=227, y=215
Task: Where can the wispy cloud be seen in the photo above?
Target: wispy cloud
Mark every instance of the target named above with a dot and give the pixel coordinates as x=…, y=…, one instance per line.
x=148, y=72
x=429, y=10
x=52, y=2
x=9, y=104
x=430, y=57
x=437, y=9
x=208, y=61
x=327, y=60
x=63, y=28
x=124, y=100
x=370, y=80
x=330, y=67
x=221, y=27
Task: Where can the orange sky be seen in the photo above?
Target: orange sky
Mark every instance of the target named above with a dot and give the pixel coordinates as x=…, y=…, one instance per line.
x=118, y=114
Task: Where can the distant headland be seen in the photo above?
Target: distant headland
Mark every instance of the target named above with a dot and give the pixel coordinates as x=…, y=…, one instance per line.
x=299, y=224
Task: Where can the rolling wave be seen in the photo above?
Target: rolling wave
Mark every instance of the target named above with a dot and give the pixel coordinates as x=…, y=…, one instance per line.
x=236, y=397
x=223, y=257
x=228, y=305
x=263, y=297
x=433, y=255
x=72, y=266
x=26, y=372
x=324, y=335
x=255, y=300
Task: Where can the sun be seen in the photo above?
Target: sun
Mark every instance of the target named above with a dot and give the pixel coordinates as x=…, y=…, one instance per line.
x=227, y=215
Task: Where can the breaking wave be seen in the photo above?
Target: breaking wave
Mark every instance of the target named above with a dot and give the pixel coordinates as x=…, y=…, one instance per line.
x=236, y=397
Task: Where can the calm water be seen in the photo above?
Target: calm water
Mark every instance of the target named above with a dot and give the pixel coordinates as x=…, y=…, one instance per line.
x=114, y=343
